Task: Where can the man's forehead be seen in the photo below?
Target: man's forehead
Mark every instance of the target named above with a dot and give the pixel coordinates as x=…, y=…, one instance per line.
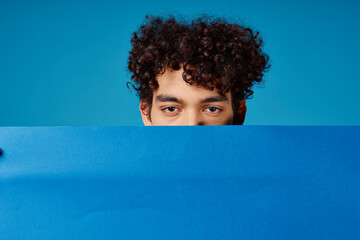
x=173, y=88
x=172, y=82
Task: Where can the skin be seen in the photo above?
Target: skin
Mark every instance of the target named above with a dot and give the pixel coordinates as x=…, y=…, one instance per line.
x=176, y=102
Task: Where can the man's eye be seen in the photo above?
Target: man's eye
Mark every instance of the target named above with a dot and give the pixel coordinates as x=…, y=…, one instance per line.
x=170, y=109
x=212, y=109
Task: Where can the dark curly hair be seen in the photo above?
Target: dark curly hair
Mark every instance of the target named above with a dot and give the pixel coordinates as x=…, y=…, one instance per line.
x=213, y=53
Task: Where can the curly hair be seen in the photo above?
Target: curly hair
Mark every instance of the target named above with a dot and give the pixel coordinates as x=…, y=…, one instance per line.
x=213, y=53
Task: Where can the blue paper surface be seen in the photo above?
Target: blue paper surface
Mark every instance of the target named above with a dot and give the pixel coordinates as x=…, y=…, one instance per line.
x=208, y=182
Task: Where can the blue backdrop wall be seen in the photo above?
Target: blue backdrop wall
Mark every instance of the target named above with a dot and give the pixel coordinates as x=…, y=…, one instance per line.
x=64, y=62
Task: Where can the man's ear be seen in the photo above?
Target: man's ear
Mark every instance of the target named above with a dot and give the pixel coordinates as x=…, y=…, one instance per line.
x=240, y=113
x=145, y=113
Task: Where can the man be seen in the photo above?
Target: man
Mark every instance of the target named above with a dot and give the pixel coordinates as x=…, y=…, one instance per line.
x=198, y=73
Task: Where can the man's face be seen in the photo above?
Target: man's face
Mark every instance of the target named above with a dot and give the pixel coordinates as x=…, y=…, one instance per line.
x=176, y=102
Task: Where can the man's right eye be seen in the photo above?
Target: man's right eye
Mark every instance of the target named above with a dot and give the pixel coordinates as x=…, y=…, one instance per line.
x=170, y=109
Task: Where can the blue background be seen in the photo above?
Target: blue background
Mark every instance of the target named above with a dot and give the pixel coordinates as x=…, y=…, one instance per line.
x=65, y=62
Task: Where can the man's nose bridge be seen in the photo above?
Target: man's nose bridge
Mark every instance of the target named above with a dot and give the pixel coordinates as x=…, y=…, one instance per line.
x=193, y=118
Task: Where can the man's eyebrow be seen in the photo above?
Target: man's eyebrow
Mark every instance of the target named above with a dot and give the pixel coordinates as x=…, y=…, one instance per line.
x=219, y=98
x=166, y=98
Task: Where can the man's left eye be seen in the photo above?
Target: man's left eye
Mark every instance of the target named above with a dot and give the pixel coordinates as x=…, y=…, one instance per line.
x=212, y=109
